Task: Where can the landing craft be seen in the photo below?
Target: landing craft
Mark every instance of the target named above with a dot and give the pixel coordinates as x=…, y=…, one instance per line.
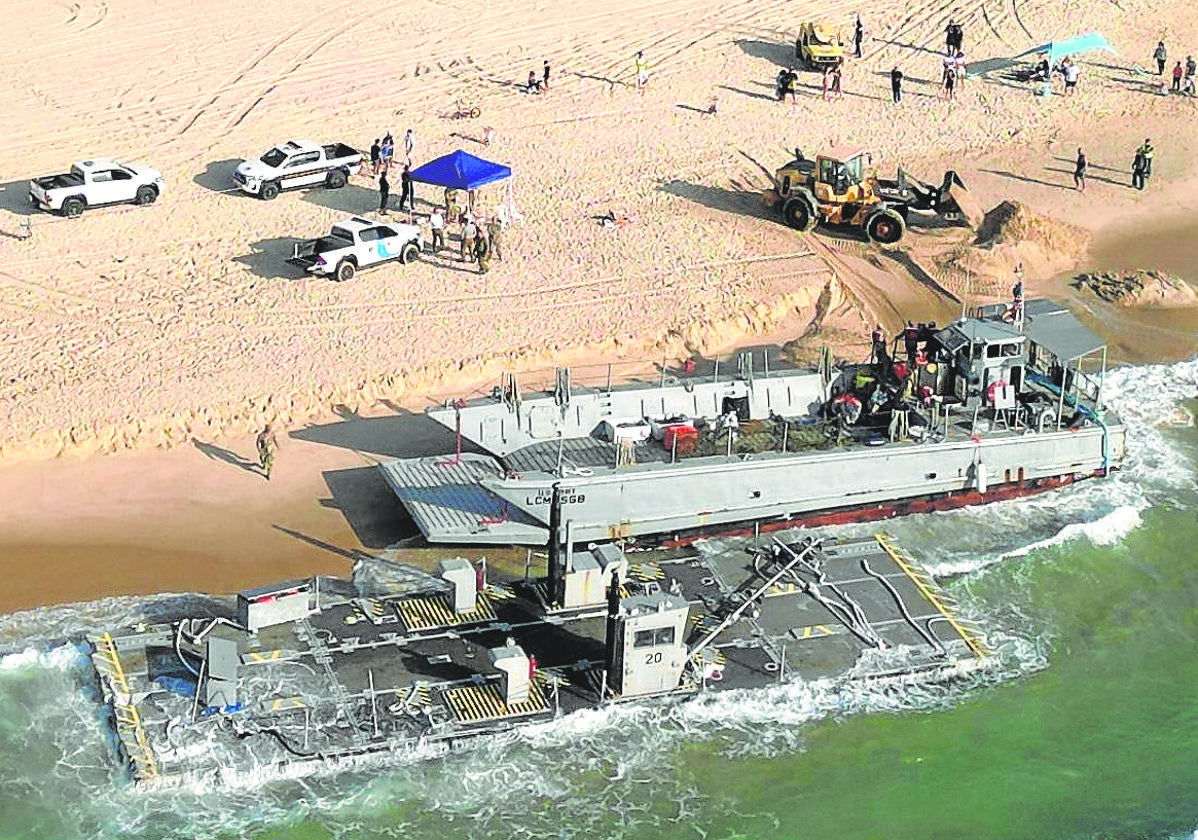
x=1004, y=403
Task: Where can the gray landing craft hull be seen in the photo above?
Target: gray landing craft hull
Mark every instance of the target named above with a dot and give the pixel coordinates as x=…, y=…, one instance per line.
x=704, y=493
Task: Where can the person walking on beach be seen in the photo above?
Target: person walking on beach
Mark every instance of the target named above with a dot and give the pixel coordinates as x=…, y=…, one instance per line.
x=407, y=194
x=1138, y=165
x=267, y=446
x=838, y=82
x=1148, y=152
x=375, y=158
x=495, y=237
x=1079, y=171
x=950, y=80
x=384, y=191
x=858, y=37
x=642, y=71
x=1161, y=57
x=896, y=85
x=436, y=225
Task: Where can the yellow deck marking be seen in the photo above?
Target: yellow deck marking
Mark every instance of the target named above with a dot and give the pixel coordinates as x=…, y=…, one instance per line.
x=129, y=728
x=478, y=703
x=283, y=704
x=646, y=571
x=816, y=631
x=434, y=611
x=907, y=563
x=263, y=655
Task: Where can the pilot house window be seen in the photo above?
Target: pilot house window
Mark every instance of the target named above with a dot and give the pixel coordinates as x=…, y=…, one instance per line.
x=653, y=638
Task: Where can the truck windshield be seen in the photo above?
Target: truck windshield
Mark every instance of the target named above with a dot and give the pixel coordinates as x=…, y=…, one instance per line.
x=274, y=157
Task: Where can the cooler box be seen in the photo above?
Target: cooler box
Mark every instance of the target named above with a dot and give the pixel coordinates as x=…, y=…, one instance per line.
x=684, y=441
x=671, y=432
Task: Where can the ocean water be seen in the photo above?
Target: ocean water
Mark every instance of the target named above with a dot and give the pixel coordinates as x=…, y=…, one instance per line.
x=1091, y=594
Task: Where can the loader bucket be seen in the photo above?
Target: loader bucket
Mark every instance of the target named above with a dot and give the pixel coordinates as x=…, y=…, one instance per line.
x=955, y=201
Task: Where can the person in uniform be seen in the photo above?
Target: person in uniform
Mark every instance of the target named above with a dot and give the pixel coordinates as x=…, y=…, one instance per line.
x=267, y=445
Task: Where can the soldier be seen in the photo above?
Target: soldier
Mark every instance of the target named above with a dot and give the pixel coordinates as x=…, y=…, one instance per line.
x=482, y=252
x=495, y=237
x=469, y=230
x=267, y=445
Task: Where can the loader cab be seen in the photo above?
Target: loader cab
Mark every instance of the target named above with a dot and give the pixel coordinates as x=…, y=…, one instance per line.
x=840, y=177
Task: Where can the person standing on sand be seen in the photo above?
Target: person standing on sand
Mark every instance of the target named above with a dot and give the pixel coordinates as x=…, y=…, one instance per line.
x=546, y=71
x=1079, y=171
x=858, y=37
x=407, y=194
x=495, y=237
x=384, y=191
x=436, y=224
x=1178, y=72
x=267, y=446
x=469, y=229
x=837, y=82
x=482, y=252
x=1161, y=57
x=949, y=81
x=896, y=85
x=827, y=82
x=409, y=145
x=1070, y=71
x=375, y=158
x=642, y=71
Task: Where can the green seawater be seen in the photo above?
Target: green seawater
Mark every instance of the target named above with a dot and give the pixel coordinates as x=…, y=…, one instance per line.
x=1102, y=743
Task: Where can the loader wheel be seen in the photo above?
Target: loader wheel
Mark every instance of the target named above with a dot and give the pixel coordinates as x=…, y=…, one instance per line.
x=146, y=195
x=345, y=271
x=885, y=227
x=336, y=179
x=269, y=191
x=798, y=215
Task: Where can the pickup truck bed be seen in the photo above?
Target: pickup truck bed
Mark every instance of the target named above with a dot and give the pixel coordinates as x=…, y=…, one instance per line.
x=307, y=253
x=56, y=182
x=335, y=151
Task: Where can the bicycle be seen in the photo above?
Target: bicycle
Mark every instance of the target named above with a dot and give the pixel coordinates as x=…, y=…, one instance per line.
x=465, y=110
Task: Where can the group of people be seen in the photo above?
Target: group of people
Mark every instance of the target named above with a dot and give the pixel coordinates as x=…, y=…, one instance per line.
x=538, y=85
x=1183, y=75
x=479, y=241
x=382, y=156
x=1141, y=166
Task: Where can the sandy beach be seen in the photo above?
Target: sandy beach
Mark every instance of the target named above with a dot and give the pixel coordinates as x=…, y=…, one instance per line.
x=144, y=347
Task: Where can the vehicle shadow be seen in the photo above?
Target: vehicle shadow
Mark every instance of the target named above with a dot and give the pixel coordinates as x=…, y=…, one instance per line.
x=268, y=259
x=218, y=176
x=779, y=53
x=369, y=506
x=405, y=434
x=742, y=199
x=14, y=197
x=353, y=199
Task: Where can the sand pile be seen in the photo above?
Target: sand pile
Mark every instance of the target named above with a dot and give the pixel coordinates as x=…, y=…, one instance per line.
x=1138, y=288
x=1012, y=235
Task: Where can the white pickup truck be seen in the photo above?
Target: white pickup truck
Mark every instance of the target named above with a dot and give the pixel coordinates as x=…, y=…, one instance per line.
x=92, y=183
x=358, y=243
x=298, y=163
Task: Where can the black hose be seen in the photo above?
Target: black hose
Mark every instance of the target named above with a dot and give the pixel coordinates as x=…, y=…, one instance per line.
x=894, y=593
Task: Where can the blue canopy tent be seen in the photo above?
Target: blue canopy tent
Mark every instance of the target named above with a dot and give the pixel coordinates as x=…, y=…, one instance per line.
x=461, y=171
x=1070, y=46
